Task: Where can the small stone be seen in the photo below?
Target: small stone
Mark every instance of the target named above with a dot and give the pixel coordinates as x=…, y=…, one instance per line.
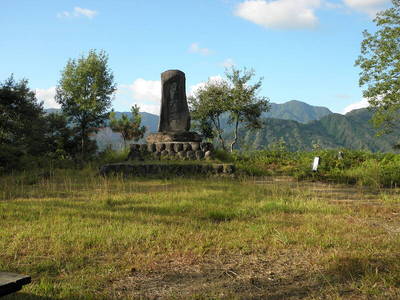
x=151, y=148
x=187, y=147
x=208, y=155
x=169, y=146
x=195, y=146
x=191, y=155
x=178, y=147
x=160, y=147
x=171, y=153
x=182, y=154
x=199, y=154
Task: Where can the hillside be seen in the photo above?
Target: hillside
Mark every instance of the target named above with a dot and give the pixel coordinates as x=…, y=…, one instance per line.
x=299, y=124
x=353, y=131
x=296, y=111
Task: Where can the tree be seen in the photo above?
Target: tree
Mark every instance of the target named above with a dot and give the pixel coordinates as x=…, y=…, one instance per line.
x=21, y=123
x=244, y=104
x=380, y=67
x=85, y=93
x=207, y=105
x=234, y=97
x=129, y=128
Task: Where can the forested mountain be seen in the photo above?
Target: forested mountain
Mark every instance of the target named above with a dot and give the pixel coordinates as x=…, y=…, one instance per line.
x=296, y=111
x=353, y=130
x=301, y=126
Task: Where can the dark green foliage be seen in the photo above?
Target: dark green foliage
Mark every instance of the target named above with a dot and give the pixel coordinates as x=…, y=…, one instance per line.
x=129, y=128
x=236, y=98
x=380, y=67
x=353, y=131
x=85, y=92
x=22, y=123
x=60, y=138
x=355, y=167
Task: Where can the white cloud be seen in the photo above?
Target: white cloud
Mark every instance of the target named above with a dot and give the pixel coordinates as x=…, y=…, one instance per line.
x=195, y=48
x=194, y=88
x=147, y=94
x=361, y=104
x=144, y=90
x=47, y=96
x=227, y=63
x=280, y=14
x=150, y=108
x=370, y=7
x=78, y=12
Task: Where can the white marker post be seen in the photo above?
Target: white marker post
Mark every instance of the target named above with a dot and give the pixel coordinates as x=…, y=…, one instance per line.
x=316, y=164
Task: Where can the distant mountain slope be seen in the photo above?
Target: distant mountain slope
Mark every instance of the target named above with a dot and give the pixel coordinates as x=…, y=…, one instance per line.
x=353, y=131
x=296, y=111
x=325, y=128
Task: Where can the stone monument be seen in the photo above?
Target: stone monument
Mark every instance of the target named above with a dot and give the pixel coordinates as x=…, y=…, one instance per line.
x=174, y=140
x=174, y=122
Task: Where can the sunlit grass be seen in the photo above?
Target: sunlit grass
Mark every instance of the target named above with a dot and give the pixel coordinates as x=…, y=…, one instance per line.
x=79, y=234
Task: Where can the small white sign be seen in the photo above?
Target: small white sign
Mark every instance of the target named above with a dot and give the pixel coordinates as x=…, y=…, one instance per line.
x=315, y=164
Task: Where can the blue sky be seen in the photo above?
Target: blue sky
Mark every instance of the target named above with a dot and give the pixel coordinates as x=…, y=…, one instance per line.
x=304, y=49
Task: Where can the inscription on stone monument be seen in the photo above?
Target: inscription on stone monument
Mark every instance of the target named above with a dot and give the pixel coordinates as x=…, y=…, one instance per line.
x=174, y=115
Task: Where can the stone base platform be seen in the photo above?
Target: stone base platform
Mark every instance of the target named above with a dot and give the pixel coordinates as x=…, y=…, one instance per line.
x=148, y=169
x=172, y=150
x=164, y=137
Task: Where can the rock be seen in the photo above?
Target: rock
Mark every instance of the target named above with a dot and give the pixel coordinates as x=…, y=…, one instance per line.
x=191, y=155
x=174, y=115
x=151, y=147
x=208, y=155
x=195, y=146
x=178, y=147
x=199, y=154
x=171, y=153
x=169, y=146
x=160, y=147
x=205, y=146
x=182, y=154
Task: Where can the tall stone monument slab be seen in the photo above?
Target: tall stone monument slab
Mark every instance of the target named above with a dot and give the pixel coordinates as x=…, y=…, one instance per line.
x=174, y=115
x=174, y=122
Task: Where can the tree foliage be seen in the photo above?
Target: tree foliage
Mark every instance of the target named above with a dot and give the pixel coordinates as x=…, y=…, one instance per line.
x=207, y=106
x=21, y=123
x=129, y=128
x=85, y=93
x=380, y=67
x=235, y=96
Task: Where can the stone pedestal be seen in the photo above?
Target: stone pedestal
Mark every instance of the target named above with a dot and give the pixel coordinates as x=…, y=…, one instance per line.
x=165, y=137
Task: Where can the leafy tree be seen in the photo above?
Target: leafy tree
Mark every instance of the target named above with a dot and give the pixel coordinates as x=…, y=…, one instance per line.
x=129, y=128
x=235, y=97
x=207, y=106
x=21, y=123
x=380, y=67
x=244, y=105
x=85, y=93
x=59, y=137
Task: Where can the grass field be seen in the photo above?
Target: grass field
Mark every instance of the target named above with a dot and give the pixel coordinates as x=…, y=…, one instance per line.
x=81, y=236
